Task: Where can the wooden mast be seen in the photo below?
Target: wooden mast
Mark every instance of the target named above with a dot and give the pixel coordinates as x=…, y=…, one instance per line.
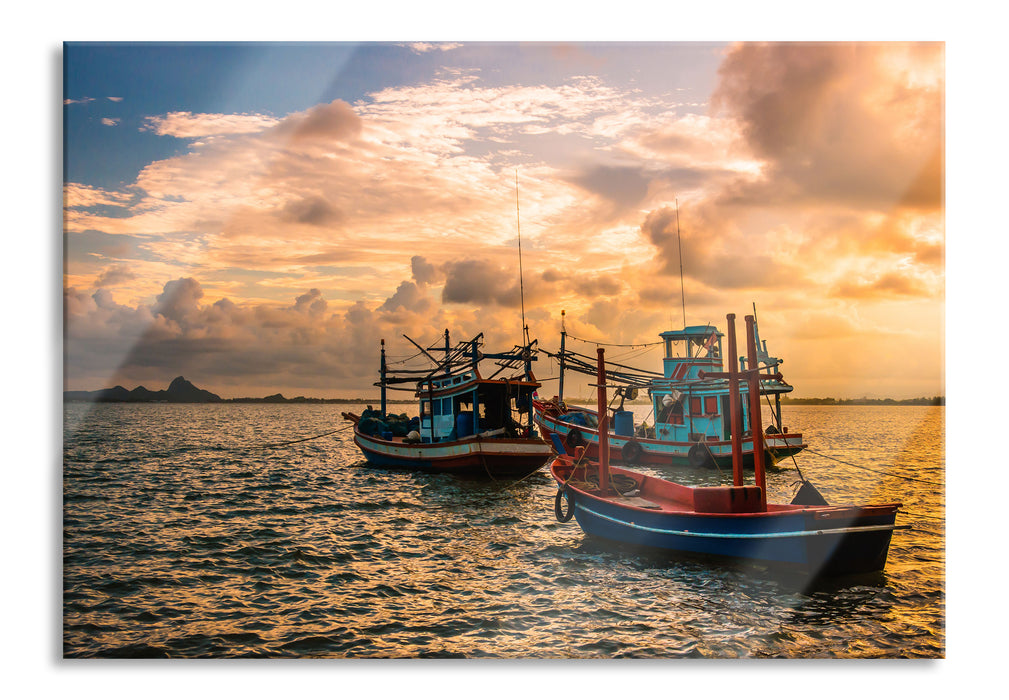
x=382, y=373
x=752, y=375
x=604, y=428
x=756, y=424
x=735, y=414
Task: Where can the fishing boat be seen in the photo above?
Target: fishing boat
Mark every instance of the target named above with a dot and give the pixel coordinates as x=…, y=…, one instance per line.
x=468, y=423
x=724, y=521
x=690, y=405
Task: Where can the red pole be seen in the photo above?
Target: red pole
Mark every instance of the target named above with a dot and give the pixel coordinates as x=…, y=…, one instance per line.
x=735, y=414
x=604, y=428
x=756, y=424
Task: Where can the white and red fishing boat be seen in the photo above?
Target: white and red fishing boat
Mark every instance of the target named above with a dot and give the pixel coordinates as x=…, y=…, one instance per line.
x=730, y=521
x=690, y=405
x=468, y=423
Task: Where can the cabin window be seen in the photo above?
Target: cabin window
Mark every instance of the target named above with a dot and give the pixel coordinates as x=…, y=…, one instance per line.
x=695, y=405
x=671, y=412
x=425, y=408
x=711, y=405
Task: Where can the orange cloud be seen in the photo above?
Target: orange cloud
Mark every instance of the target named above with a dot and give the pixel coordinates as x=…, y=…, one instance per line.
x=857, y=123
x=811, y=187
x=187, y=125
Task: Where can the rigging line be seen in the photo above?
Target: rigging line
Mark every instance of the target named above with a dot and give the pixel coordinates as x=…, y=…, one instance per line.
x=875, y=471
x=404, y=361
x=614, y=345
x=518, y=229
x=679, y=248
x=576, y=358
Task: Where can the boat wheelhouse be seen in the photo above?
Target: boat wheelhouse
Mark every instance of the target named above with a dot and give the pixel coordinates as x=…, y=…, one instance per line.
x=468, y=423
x=692, y=423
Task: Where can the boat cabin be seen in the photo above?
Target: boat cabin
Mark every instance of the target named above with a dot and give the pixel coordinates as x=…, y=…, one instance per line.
x=691, y=350
x=688, y=408
x=448, y=407
x=457, y=402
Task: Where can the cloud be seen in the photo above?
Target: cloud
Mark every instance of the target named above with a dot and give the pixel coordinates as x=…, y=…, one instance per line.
x=423, y=271
x=852, y=123
x=409, y=296
x=76, y=195
x=111, y=276
x=108, y=121
x=80, y=101
x=311, y=210
x=624, y=186
x=420, y=47
x=713, y=252
x=179, y=300
x=311, y=303
x=316, y=233
x=239, y=349
x=889, y=284
x=187, y=125
x=479, y=282
x=335, y=120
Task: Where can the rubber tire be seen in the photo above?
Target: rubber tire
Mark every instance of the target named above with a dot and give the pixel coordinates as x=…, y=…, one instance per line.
x=559, y=513
x=698, y=457
x=631, y=451
x=574, y=438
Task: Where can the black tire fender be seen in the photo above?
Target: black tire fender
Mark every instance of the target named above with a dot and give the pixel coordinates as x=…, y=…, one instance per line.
x=574, y=438
x=561, y=514
x=698, y=456
x=631, y=451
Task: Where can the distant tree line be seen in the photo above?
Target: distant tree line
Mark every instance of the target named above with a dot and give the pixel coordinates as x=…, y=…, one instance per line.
x=922, y=401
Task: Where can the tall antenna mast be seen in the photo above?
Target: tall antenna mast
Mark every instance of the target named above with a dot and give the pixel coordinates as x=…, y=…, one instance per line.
x=679, y=247
x=522, y=293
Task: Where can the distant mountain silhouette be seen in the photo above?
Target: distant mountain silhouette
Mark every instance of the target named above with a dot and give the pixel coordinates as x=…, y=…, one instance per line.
x=183, y=391
x=179, y=391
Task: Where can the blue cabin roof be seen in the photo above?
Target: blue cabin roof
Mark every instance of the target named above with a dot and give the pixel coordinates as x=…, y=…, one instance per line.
x=691, y=332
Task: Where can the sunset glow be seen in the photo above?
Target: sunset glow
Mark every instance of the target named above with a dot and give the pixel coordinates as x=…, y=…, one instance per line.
x=257, y=217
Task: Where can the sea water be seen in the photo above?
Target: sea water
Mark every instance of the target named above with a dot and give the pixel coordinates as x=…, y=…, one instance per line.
x=188, y=532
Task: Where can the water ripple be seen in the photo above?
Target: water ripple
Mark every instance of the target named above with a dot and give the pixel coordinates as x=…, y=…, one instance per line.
x=180, y=542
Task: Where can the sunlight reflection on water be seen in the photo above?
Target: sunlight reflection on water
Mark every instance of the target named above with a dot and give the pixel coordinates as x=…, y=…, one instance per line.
x=183, y=537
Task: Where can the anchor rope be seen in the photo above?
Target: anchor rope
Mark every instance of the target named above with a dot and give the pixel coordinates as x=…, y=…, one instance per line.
x=314, y=437
x=875, y=471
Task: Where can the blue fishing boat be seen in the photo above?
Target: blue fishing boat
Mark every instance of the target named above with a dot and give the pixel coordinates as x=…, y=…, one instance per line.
x=468, y=423
x=727, y=521
x=690, y=407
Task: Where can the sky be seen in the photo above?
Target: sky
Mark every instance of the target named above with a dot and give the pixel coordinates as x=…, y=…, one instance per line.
x=257, y=216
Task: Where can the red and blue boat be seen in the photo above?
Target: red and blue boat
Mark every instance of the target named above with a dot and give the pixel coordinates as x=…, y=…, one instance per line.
x=690, y=405
x=734, y=521
x=469, y=423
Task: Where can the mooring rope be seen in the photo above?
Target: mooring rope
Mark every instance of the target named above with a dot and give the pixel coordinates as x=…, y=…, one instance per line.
x=314, y=437
x=874, y=471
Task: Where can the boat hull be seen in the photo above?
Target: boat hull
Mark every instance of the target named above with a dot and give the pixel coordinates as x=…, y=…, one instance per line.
x=667, y=453
x=475, y=456
x=816, y=540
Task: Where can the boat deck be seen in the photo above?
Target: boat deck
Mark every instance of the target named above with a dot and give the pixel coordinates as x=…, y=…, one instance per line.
x=656, y=495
